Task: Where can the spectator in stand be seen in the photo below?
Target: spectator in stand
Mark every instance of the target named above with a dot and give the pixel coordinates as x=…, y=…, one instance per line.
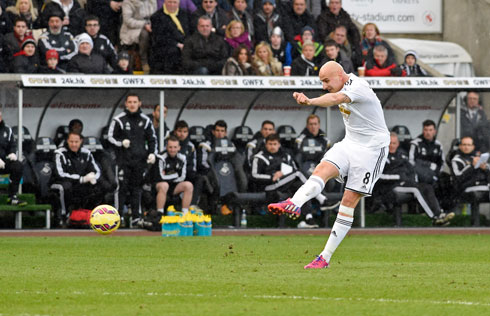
x=297, y=18
x=172, y=166
x=26, y=61
x=305, y=64
x=474, y=122
x=86, y=61
x=264, y=63
x=239, y=12
x=332, y=52
x=170, y=29
x=258, y=142
x=24, y=9
x=306, y=35
x=399, y=176
x=122, y=66
x=281, y=49
x=239, y=64
x=51, y=64
x=72, y=12
x=410, y=67
x=56, y=38
x=5, y=56
x=218, y=17
x=370, y=38
x=426, y=154
x=204, y=52
x=14, y=39
x=133, y=137
x=109, y=13
x=312, y=130
x=469, y=179
x=102, y=44
x=351, y=50
x=77, y=175
x=9, y=163
x=266, y=20
x=5, y=23
x=187, y=5
x=236, y=35
x=379, y=65
x=136, y=27
x=329, y=19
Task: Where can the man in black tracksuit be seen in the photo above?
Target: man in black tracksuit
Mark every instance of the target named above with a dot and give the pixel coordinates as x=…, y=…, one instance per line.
x=76, y=176
x=171, y=176
x=470, y=181
x=426, y=154
x=274, y=171
x=399, y=176
x=312, y=130
x=133, y=136
x=9, y=163
x=258, y=142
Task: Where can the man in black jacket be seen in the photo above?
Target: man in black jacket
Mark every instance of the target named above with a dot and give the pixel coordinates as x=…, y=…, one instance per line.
x=474, y=122
x=102, y=44
x=266, y=20
x=258, y=142
x=167, y=38
x=109, y=13
x=399, y=176
x=218, y=16
x=73, y=22
x=172, y=174
x=275, y=172
x=87, y=61
x=9, y=163
x=313, y=131
x=76, y=176
x=58, y=39
x=204, y=52
x=297, y=18
x=334, y=16
x=426, y=154
x=132, y=135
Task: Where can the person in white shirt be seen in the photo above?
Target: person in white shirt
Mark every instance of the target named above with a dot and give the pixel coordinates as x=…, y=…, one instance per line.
x=360, y=156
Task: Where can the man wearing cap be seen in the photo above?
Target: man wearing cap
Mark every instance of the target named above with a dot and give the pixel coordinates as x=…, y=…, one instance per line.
x=58, y=39
x=266, y=20
x=85, y=61
x=297, y=18
x=72, y=15
x=411, y=67
x=122, y=67
x=102, y=44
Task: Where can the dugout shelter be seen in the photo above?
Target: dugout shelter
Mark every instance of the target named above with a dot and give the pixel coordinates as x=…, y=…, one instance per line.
x=42, y=103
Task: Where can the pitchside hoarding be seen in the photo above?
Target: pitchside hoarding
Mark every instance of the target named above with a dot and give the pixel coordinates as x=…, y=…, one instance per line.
x=398, y=16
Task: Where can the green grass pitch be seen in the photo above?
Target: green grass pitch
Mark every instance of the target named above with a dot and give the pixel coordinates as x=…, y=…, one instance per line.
x=247, y=275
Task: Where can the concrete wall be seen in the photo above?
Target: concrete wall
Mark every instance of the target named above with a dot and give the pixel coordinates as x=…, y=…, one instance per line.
x=467, y=22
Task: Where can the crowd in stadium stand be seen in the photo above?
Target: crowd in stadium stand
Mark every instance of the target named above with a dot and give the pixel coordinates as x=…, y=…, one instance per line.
x=189, y=37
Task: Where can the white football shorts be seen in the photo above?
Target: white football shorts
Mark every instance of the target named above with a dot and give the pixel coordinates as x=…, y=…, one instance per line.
x=361, y=165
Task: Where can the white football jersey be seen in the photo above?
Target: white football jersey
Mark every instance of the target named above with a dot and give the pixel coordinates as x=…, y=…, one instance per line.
x=363, y=118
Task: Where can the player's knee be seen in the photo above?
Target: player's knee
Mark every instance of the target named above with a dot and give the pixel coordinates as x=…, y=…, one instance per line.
x=326, y=171
x=162, y=187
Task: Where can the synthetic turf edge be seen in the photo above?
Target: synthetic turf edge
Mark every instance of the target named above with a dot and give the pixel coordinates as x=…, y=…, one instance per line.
x=379, y=275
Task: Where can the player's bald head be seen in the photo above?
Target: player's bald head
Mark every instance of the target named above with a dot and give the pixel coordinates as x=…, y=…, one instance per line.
x=333, y=76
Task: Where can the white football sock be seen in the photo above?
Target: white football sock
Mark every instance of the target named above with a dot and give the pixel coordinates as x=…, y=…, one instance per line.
x=340, y=228
x=160, y=210
x=185, y=210
x=309, y=190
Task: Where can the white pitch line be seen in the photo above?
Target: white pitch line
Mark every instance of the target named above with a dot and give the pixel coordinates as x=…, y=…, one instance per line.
x=279, y=297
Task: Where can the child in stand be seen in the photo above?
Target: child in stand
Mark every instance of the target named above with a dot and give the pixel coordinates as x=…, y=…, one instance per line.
x=122, y=64
x=411, y=67
x=51, y=63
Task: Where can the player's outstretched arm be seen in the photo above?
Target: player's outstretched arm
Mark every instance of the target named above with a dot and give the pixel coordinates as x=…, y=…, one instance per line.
x=325, y=100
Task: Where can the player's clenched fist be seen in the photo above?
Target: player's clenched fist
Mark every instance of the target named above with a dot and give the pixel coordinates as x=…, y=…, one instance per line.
x=301, y=98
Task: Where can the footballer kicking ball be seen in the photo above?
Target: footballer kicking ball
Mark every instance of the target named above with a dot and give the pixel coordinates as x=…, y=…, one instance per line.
x=105, y=219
